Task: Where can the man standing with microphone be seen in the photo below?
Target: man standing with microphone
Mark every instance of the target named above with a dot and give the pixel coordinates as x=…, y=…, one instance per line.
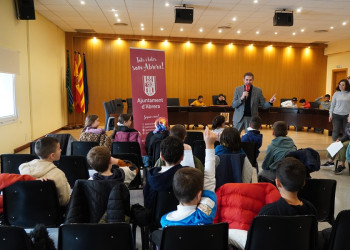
x=246, y=101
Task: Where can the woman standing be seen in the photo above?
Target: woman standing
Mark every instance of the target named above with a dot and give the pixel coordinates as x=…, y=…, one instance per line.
x=340, y=108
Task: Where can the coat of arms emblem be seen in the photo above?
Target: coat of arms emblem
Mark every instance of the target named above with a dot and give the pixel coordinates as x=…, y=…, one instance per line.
x=149, y=85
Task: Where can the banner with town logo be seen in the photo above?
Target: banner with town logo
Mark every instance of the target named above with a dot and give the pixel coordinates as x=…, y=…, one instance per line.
x=149, y=100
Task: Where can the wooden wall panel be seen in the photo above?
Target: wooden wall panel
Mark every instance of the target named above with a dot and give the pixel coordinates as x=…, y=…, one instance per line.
x=199, y=68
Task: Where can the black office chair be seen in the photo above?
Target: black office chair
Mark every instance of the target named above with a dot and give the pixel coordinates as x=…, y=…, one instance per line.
x=127, y=147
x=129, y=103
x=340, y=232
x=190, y=100
x=198, y=150
x=282, y=232
x=321, y=193
x=314, y=105
x=250, y=150
x=173, y=102
x=32, y=147
x=14, y=238
x=65, y=142
x=74, y=167
x=91, y=236
x=204, y=237
x=155, y=152
x=11, y=162
x=27, y=203
x=82, y=148
x=193, y=136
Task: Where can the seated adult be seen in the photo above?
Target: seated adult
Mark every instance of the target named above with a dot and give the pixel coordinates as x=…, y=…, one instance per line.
x=290, y=103
x=230, y=143
x=221, y=100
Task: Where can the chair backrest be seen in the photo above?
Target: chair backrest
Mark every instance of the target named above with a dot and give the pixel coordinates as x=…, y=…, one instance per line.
x=91, y=236
x=134, y=158
x=249, y=149
x=11, y=162
x=129, y=104
x=173, y=102
x=229, y=169
x=155, y=152
x=267, y=176
x=65, y=142
x=165, y=202
x=340, y=232
x=193, y=136
x=14, y=238
x=282, y=232
x=108, y=107
x=215, y=97
x=204, y=237
x=32, y=147
x=283, y=100
x=74, y=167
x=199, y=150
x=126, y=147
x=82, y=147
x=314, y=105
x=190, y=100
x=321, y=193
x=27, y=203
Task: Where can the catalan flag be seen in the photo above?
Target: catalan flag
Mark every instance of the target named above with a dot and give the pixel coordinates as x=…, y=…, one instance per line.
x=69, y=86
x=79, y=87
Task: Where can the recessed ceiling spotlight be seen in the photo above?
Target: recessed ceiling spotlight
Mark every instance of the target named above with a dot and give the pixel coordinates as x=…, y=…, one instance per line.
x=257, y=32
x=290, y=46
x=276, y=33
x=302, y=30
x=118, y=20
x=113, y=9
x=299, y=9
x=294, y=33
x=209, y=43
x=161, y=29
x=234, y=19
x=141, y=24
x=309, y=47
x=167, y=4
x=188, y=42
x=251, y=45
x=238, y=31
x=255, y=1
x=116, y=14
x=220, y=30
x=200, y=30
x=181, y=29
x=142, y=28
x=143, y=40
x=82, y=2
x=331, y=27
x=344, y=23
x=165, y=41
x=118, y=39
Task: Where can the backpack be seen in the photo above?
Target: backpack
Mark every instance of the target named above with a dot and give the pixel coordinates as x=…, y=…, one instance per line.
x=309, y=157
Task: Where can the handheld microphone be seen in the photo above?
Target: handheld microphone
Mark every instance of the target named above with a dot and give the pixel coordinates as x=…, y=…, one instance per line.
x=247, y=87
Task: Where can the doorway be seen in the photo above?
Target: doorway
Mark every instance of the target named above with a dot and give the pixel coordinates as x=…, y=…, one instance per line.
x=337, y=75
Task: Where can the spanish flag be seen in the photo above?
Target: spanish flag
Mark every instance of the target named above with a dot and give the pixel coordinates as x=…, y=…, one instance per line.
x=79, y=86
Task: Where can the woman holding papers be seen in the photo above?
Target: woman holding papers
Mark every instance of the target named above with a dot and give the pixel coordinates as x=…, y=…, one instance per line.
x=340, y=155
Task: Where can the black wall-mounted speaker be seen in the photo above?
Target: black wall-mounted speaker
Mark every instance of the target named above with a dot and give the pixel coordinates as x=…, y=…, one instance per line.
x=25, y=9
x=183, y=15
x=283, y=19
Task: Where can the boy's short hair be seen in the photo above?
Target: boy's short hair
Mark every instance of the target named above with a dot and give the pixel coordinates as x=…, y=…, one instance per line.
x=302, y=101
x=199, y=97
x=187, y=183
x=46, y=146
x=178, y=130
x=98, y=158
x=255, y=122
x=280, y=128
x=172, y=149
x=327, y=95
x=230, y=138
x=291, y=172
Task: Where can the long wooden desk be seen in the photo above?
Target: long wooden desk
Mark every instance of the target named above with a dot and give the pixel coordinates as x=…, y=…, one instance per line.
x=299, y=117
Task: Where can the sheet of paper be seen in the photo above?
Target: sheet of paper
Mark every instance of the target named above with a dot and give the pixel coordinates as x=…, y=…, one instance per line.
x=188, y=159
x=334, y=148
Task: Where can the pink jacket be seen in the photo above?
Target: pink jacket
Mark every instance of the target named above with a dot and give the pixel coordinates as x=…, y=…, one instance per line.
x=130, y=136
x=239, y=203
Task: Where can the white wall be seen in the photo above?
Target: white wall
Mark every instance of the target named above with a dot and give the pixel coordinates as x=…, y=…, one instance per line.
x=338, y=56
x=40, y=91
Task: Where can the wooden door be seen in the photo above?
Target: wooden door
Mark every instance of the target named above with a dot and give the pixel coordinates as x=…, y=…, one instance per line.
x=337, y=75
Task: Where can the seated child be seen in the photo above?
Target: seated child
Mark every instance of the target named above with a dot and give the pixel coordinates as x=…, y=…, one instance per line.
x=279, y=147
x=196, y=194
x=161, y=178
x=91, y=125
x=48, y=149
x=290, y=179
x=99, y=158
x=253, y=134
x=304, y=104
x=199, y=102
x=179, y=131
x=218, y=125
x=220, y=100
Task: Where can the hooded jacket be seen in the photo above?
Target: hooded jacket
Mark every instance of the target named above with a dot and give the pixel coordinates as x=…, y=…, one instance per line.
x=158, y=182
x=39, y=168
x=277, y=150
